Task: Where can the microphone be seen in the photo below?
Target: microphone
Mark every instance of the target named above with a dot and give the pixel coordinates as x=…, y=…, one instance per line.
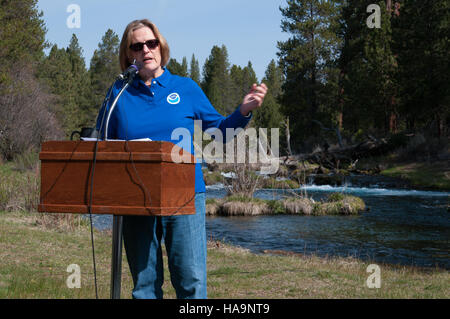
x=130, y=73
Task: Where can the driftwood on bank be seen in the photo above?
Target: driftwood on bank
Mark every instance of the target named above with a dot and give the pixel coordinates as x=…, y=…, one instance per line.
x=343, y=156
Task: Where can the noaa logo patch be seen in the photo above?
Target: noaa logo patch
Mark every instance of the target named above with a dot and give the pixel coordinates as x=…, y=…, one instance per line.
x=173, y=98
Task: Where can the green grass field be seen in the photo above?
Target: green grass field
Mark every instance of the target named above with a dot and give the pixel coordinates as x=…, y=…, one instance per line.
x=436, y=176
x=34, y=261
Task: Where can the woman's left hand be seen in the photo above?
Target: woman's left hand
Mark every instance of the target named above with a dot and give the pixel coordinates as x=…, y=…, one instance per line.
x=253, y=99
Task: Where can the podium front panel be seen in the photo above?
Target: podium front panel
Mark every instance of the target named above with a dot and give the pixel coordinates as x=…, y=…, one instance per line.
x=130, y=178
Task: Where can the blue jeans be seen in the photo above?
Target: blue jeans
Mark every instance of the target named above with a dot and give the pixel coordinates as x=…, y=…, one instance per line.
x=185, y=240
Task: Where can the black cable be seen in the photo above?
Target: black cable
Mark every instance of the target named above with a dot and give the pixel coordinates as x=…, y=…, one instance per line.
x=94, y=161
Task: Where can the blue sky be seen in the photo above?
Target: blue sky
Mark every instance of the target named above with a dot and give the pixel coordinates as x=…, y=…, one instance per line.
x=249, y=29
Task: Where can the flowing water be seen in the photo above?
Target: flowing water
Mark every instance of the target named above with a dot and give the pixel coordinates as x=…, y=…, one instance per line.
x=408, y=227
x=401, y=226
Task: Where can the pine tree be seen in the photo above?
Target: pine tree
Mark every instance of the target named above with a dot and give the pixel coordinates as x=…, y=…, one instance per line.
x=269, y=115
x=216, y=80
x=421, y=42
x=368, y=72
x=274, y=78
x=104, y=67
x=184, y=67
x=194, y=71
x=56, y=72
x=236, y=84
x=307, y=59
x=25, y=116
x=86, y=111
x=241, y=80
x=249, y=78
x=22, y=35
x=177, y=68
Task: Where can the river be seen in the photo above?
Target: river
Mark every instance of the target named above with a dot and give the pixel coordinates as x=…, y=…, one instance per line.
x=401, y=226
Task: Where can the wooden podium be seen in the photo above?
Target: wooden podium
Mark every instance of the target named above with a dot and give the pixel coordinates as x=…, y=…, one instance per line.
x=129, y=178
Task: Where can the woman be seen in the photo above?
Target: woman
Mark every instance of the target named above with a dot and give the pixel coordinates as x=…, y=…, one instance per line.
x=155, y=104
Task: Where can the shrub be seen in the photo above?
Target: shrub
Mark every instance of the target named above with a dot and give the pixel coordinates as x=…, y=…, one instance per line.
x=212, y=178
x=335, y=197
x=276, y=207
x=340, y=204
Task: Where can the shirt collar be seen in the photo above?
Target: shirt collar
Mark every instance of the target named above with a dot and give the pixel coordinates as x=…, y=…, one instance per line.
x=163, y=79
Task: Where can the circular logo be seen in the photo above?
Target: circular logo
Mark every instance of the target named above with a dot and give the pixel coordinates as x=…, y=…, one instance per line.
x=173, y=98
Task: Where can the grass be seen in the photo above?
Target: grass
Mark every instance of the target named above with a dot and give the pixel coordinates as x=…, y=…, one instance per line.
x=238, y=205
x=436, y=176
x=34, y=260
x=36, y=249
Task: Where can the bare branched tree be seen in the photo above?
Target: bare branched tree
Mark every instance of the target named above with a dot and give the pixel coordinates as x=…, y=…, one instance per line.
x=25, y=118
x=244, y=181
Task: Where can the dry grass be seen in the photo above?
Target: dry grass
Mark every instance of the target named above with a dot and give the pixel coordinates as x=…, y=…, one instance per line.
x=235, y=208
x=298, y=206
x=20, y=192
x=241, y=274
x=245, y=206
x=34, y=259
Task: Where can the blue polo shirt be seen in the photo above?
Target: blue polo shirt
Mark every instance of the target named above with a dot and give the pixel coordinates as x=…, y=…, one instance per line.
x=170, y=103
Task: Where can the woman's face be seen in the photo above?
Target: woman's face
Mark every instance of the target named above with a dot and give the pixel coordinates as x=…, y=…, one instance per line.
x=150, y=59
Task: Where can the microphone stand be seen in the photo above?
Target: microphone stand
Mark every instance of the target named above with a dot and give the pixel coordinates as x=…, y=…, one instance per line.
x=129, y=80
x=117, y=237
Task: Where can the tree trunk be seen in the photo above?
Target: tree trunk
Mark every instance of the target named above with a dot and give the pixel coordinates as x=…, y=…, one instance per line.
x=341, y=100
x=288, y=137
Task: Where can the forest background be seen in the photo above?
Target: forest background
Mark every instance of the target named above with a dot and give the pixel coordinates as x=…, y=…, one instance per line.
x=335, y=74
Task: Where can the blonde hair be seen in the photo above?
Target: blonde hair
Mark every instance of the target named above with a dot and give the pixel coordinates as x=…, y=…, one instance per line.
x=126, y=42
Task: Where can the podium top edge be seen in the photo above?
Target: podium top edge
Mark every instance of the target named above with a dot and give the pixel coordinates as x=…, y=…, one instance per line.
x=110, y=145
x=82, y=150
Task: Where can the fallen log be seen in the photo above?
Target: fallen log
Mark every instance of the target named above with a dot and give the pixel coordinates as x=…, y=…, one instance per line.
x=345, y=156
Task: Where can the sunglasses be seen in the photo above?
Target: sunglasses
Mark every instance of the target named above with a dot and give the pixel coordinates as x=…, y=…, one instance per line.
x=151, y=44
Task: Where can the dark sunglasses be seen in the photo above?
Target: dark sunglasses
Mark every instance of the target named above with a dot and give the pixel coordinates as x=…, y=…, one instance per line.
x=151, y=44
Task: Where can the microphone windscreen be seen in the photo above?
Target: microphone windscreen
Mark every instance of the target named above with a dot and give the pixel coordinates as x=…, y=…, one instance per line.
x=139, y=64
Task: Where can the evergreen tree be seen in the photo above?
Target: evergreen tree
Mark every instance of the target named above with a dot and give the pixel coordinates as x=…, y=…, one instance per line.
x=25, y=117
x=307, y=59
x=421, y=42
x=75, y=53
x=241, y=80
x=56, y=72
x=194, y=71
x=82, y=90
x=104, y=67
x=274, y=78
x=177, y=68
x=248, y=78
x=22, y=35
x=65, y=73
x=369, y=67
x=269, y=115
x=184, y=67
x=236, y=84
x=216, y=80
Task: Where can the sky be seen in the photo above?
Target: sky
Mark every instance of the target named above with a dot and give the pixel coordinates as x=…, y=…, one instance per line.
x=249, y=29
